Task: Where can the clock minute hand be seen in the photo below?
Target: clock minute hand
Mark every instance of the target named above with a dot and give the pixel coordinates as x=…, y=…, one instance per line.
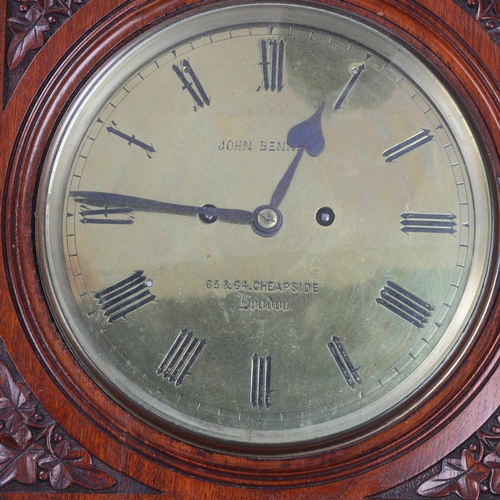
x=308, y=136
x=235, y=216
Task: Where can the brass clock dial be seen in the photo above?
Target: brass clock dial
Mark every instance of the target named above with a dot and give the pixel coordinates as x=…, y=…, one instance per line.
x=265, y=224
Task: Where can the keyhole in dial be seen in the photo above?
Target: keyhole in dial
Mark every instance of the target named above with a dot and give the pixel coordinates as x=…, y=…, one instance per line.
x=325, y=216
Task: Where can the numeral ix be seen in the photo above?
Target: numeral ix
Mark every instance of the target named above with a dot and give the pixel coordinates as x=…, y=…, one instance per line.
x=106, y=215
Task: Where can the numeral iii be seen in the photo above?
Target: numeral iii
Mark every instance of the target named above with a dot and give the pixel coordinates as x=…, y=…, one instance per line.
x=428, y=223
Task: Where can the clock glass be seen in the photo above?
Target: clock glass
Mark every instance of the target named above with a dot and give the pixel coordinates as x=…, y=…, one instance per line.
x=265, y=224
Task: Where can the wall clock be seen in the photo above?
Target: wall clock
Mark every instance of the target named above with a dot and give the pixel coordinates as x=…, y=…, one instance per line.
x=250, y=249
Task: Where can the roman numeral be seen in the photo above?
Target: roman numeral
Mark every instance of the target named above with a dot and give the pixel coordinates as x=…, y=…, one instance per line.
x=428, y=223
x=404, y=304
x=131, y=139
x=260, y=382
x=106, y=215
x=356, y=72
x=407, y=145
x=180, y=357
x=344, y=363
x=194, y=87
x=124, y=297
x=272, y=57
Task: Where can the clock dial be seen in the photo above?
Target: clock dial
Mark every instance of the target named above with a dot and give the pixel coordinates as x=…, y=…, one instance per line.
x=265, y=232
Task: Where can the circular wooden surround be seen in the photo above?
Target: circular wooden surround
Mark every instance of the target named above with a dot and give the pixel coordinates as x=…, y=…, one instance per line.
x=70, y=58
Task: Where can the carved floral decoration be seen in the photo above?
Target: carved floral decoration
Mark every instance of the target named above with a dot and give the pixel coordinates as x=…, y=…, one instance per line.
x=32, y=450
x=35, y=18
x=487, y=12
x=476, y=471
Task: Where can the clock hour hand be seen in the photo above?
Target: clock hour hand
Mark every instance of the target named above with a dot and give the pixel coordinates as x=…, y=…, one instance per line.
x=307, y=136
x=235, y=216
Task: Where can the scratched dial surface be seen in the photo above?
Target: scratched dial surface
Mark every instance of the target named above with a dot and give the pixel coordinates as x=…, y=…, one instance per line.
x=265, y=224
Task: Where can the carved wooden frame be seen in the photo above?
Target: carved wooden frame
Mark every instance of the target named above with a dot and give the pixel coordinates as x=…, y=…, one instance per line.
x=39, y=79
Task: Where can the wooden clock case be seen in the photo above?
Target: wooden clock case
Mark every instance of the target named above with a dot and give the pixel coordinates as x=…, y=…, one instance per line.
x=61, y=436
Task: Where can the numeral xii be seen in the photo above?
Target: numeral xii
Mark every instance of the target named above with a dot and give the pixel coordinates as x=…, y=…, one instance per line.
x=272, y=56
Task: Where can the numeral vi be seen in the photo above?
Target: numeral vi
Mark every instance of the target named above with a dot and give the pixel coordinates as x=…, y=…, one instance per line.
x=260, y=381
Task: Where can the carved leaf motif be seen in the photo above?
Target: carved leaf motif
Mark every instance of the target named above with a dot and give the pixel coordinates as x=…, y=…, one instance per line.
x=27, y=34
x=6, y=456
x=27, y=440
x=488, y=11
x=18, y=441
x=18, y=457
x=23, y=468
x=493, y=462
x=15, y=407
x=45, y=4
x=461, y=476
x=67, y=467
